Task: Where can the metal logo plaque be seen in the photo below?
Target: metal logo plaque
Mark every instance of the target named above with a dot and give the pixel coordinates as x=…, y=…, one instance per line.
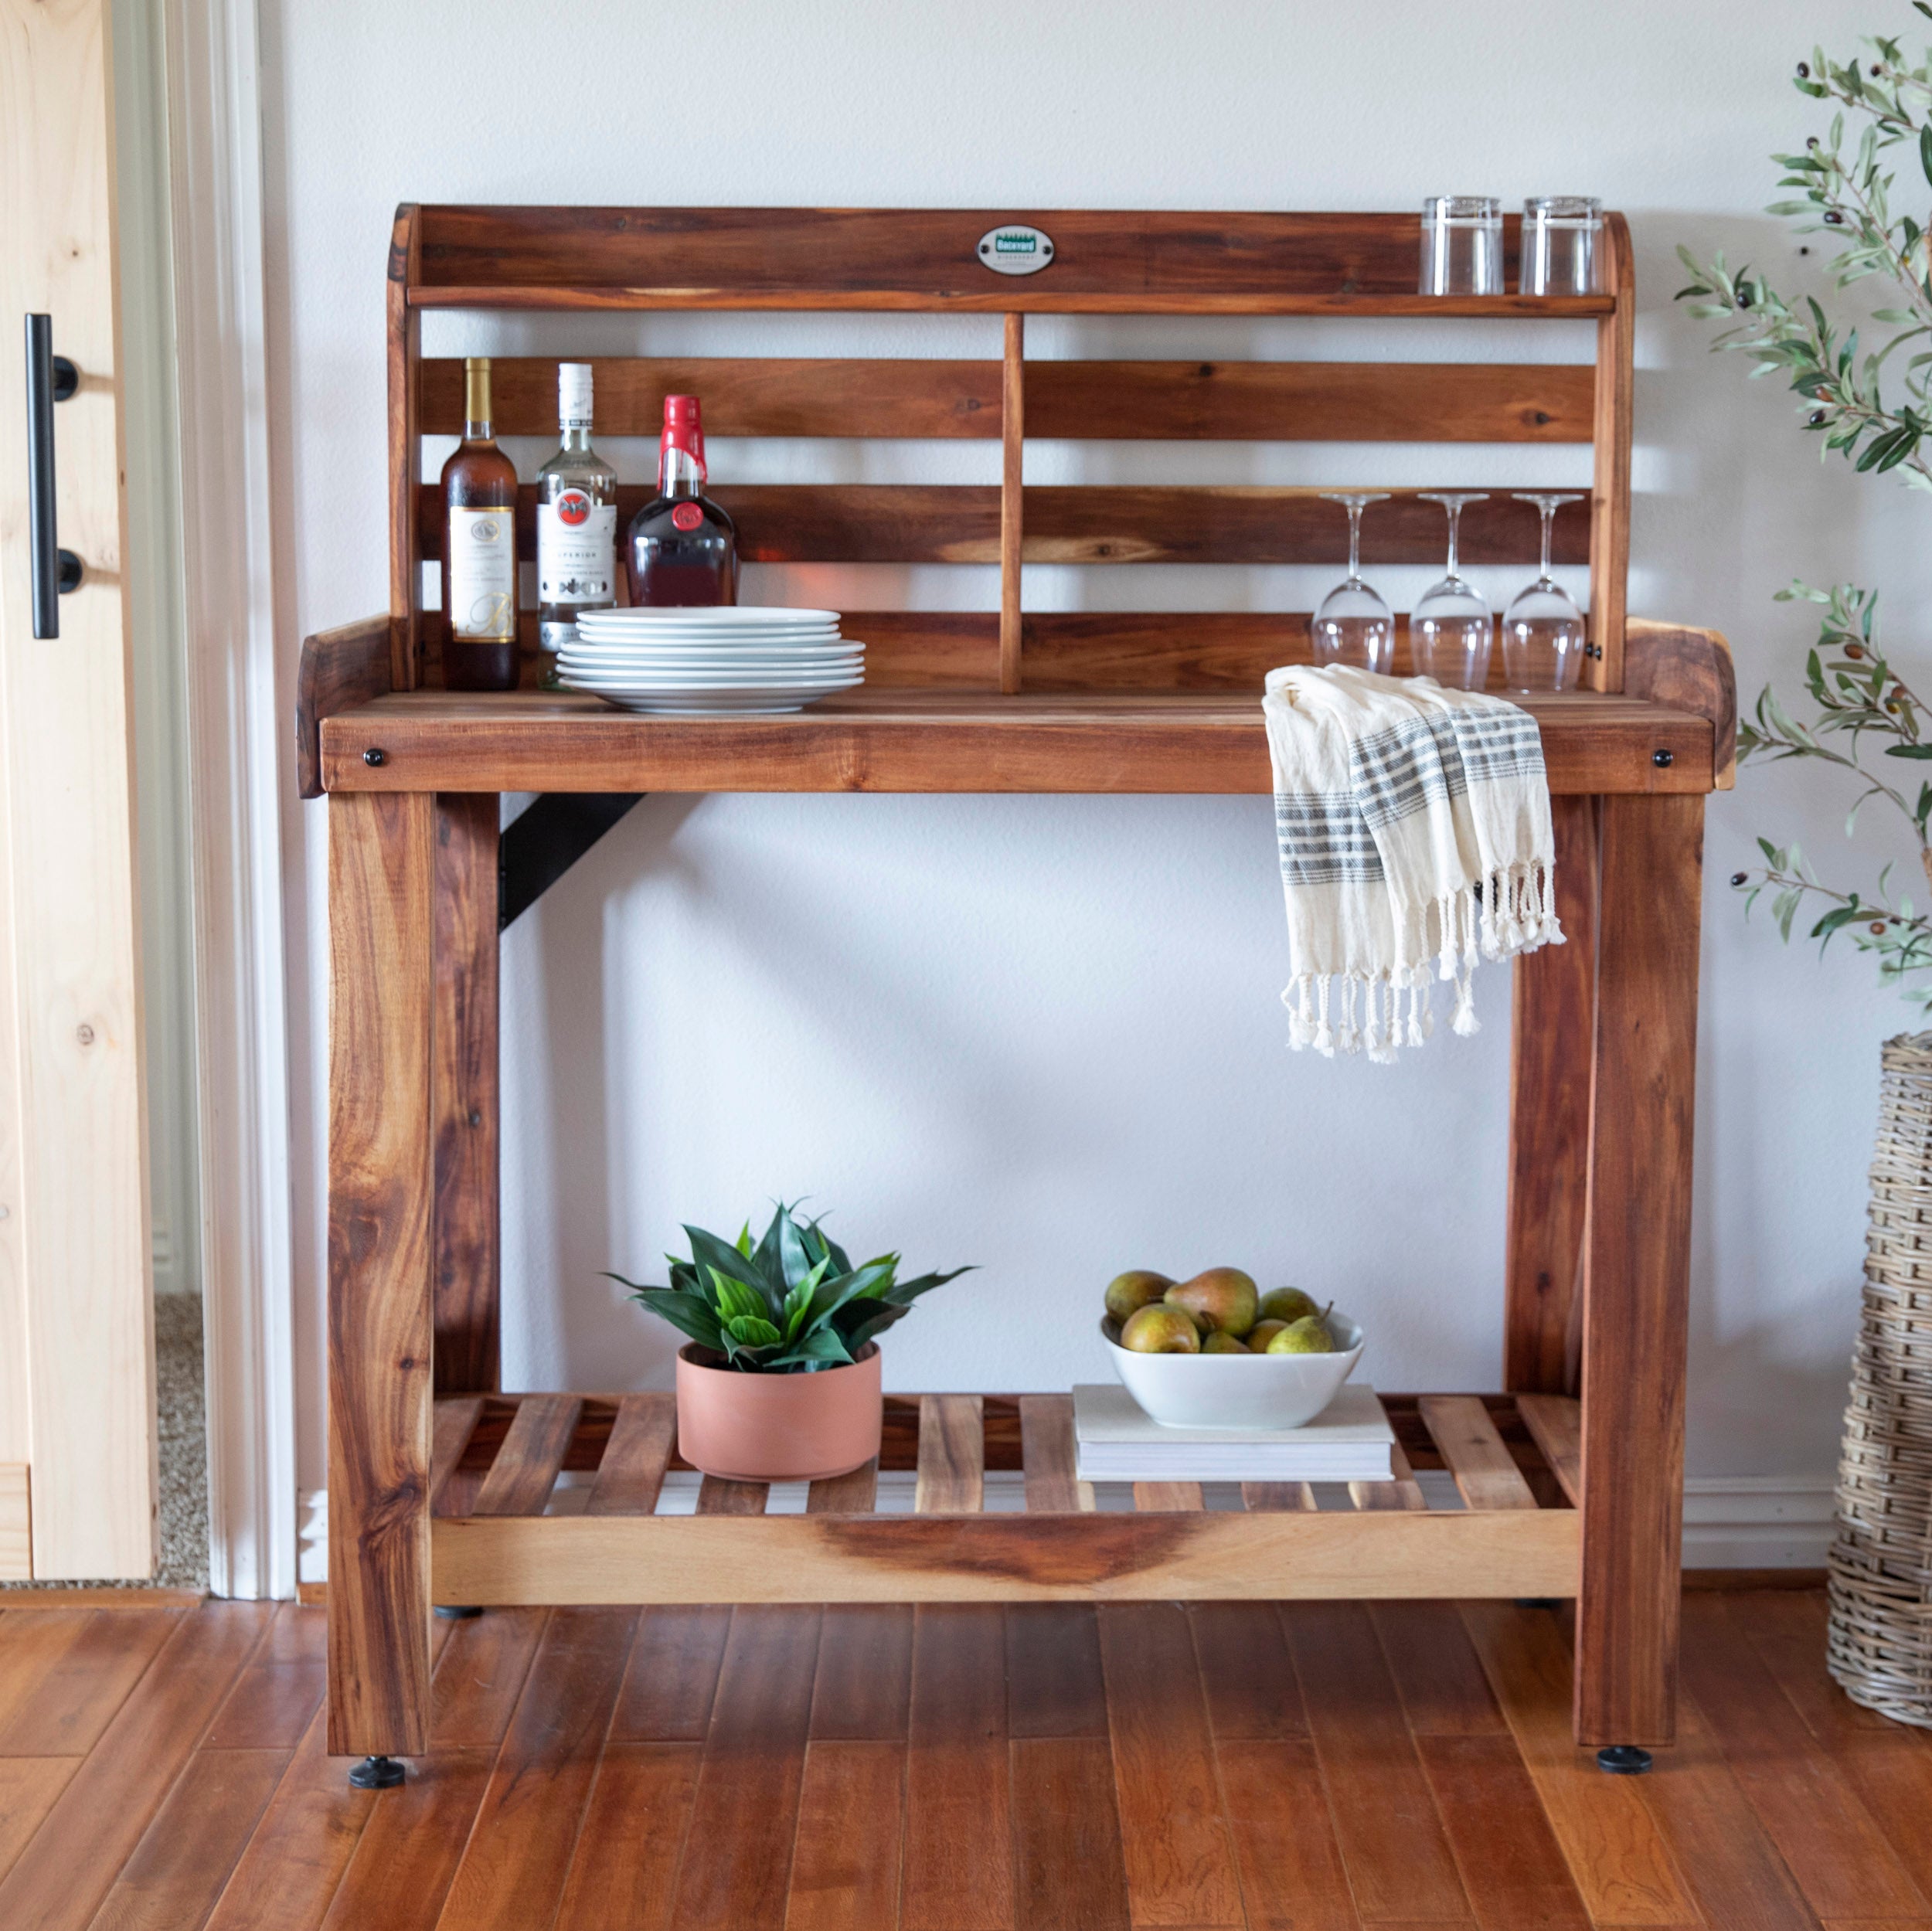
x=1016, y=250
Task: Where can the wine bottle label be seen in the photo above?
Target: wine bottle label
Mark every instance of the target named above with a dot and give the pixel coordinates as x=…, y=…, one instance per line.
x=576, y=548
x=482, y=554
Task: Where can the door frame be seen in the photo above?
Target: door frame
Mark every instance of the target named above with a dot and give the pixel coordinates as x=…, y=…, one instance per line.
x=236, y=702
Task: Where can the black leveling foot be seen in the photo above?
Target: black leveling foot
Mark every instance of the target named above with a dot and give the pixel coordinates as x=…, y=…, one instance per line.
x=457, y=1612
x=1623, y=1759
x=1540, y=1601
x=377, y=1773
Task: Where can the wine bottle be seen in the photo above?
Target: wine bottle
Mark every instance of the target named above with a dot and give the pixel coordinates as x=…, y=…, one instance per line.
x=479, y=549
x=576, y=519
x=683, y=548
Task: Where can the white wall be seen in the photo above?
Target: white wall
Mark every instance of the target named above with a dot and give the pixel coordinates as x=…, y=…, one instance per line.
x=1042, y=1035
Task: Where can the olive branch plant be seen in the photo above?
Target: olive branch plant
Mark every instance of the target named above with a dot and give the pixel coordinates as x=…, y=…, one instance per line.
x=1878, y=418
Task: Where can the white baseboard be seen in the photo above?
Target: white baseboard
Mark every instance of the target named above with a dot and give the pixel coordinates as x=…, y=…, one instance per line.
x=1730, y=1521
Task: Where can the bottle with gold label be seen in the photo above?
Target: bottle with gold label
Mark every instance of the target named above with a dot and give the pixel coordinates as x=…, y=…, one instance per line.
x=479, y=549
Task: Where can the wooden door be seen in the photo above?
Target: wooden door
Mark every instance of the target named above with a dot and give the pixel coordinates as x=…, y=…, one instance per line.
x=78, y=1436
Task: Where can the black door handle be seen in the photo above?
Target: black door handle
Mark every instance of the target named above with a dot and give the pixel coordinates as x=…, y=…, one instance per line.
x=51, y=378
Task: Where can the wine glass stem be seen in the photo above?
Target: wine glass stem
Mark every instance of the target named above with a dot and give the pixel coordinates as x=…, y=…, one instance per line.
x=1355, y=541
x=1550, y=518
x=1455, y=517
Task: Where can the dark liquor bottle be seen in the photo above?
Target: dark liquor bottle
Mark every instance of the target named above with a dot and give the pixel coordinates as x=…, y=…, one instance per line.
x=683, y=548
x=479, y=549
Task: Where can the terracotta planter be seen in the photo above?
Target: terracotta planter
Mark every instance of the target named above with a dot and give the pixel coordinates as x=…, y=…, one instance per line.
x=777, y=1427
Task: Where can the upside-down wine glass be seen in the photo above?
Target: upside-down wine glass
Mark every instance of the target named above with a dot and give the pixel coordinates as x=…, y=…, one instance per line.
x=1353, y=625
x=1450, y=630
x=1542, y=629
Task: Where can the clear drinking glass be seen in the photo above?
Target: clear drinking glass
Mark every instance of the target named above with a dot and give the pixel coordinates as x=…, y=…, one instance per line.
x=1561, y=254
x=1461, y=245
x=1450, y=630
x=1542, y=629
x=1353, y=625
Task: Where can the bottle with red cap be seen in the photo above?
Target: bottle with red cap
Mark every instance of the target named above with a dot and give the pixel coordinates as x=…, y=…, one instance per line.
x=683, y=548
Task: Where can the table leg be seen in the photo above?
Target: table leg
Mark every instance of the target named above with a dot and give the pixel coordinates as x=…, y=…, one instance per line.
x=1551, y=1030
x=467, y=1265
x=380, y=872
x=1637, y=1287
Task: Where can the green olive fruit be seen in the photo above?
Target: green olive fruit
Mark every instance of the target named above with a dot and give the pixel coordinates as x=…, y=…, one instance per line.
x=1134, y=1289
x=1287, y=1303
x=1218, y=1343
x=1223, y=1300
x=1309, y=1335
x=1156, y=1329
x=1261, y=1334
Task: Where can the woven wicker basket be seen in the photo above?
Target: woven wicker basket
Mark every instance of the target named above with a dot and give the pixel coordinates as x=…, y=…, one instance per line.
x=1881, y=1563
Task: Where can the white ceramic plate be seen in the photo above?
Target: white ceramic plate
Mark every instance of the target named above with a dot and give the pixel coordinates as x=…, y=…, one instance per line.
x=731, y=639
x=720, y=615
x=708, y=679
x=1236, y=1390
x=710, y=703
x=701, y=653
x=776, y=667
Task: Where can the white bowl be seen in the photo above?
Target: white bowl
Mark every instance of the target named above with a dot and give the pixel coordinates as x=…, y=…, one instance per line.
x=1235, y=1391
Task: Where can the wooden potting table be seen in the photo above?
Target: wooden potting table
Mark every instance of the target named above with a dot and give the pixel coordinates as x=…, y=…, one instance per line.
x=442, y=1489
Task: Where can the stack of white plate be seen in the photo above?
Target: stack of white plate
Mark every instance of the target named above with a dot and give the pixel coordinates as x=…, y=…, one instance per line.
x=720, y=658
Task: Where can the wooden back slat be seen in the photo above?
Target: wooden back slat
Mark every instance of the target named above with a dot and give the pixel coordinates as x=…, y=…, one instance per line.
x=1204, y=401
x=631, y=1474
x=1556, y=1424
x=525, y=1469
x=456, y=1418
x=952, y=1455
x=852, y=1494
x=1047, y=1449
x=1475, y=1452
x=1113, y=523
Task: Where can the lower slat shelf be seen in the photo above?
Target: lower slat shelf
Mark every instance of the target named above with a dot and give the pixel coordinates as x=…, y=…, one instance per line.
x=498, y=1458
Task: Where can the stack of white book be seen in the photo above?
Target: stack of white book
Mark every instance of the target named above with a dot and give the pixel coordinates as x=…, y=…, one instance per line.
x=1349, y=1441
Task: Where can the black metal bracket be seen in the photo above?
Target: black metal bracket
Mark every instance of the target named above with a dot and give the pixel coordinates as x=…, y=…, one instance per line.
x=542, y=844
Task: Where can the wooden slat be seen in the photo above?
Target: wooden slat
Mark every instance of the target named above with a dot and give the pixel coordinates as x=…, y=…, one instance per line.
x=631, y=1475
x=380, y=1196
x=1610, y=518
x=1557, y=1423
x=994, y=1558
x=1012, y=418
x=527, y=1465
x=852, y=1494
x=1269, y=1497
x=456, y=1419
x=936, y=740
x=718, y=1497
x=1637, y=1287
x=1553, y=1013
x=1485, y=1470
x=1103, y=400
x=1153, y=1497
x=338, y=669
x=1105, y=260
x=1104, y=523
x=1401, y=1491
x=1050, y=1456
x=467, y=1244
x=952, y=1455
x=405, y=372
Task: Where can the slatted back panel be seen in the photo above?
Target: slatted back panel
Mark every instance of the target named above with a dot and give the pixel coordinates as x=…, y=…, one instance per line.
x=577, y=259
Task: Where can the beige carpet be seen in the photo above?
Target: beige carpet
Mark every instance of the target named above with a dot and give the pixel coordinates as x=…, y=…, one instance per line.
x=184, y=1452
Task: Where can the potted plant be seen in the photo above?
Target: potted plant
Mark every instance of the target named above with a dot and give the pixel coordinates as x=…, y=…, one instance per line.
x=780, y=1380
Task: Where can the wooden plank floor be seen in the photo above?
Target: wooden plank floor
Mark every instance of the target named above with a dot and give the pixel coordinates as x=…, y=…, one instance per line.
x=1314, y=1767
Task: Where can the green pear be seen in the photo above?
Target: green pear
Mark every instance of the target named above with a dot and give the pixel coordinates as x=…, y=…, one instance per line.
x=1223, y=1300
x=1261, y=1334
x=1218, y=1343
x=1157, y=1329
x=1309, y=1335
x=1287, y=1303
x=1134, y=1289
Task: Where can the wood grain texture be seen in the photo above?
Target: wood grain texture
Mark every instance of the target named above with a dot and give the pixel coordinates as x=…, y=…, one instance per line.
x=623, y=1876
x=273, y=1703
x=849, y=1494
x=1401, y=1491
x=1180, y=1860
x=952, y=1455
x=1048, y=1451
x=380, y=1198
x=844, y=1868
x=1609, y=496
x=1437, y=1674
x=958, y=1874
x=1158, y=1499
x=480, y=1675
x=1292, y=1875
x=1692, y=671
x=338, y=669
x=454, y=1421
x=718, y=1497
x=519, y=1852
x=1245, y=1672
x=863, y=1686
x=1069, y=1873
x=754, y=1768
x=673, y=1674
x=1485, y=1470
x=405, y=373
x=1637, y=1273
x=631, y=1476
x=928, y=740
x=399, y=1875
x=1556, y=1422
x=29, y=1787
x=1104, y=1556
x=1012, y=419
x=1363, y=402
x=467, y=1255
x=1054, y=1683
x=1267, y=1497
x=526, y=1466
x=1552, y=1016
x=1392, y=1842
x=57, y=1701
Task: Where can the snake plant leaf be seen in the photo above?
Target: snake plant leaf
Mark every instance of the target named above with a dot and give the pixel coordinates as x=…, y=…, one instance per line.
x=753, y=1330
x=860, y=1322
x=841, y=1261
x=688, y=1313
x=904, y=1293
x=744, y=1240
x=736, y=1299
x=796, y=1262
x=822, y=1348
x=708, y=1251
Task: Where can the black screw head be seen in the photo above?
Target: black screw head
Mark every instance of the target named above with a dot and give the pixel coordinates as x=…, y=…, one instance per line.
x=1740, y=877
x=1663, y=759
x=376, y=754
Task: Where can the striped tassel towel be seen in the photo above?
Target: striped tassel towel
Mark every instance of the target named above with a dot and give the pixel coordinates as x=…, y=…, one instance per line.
x=1414, y=823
